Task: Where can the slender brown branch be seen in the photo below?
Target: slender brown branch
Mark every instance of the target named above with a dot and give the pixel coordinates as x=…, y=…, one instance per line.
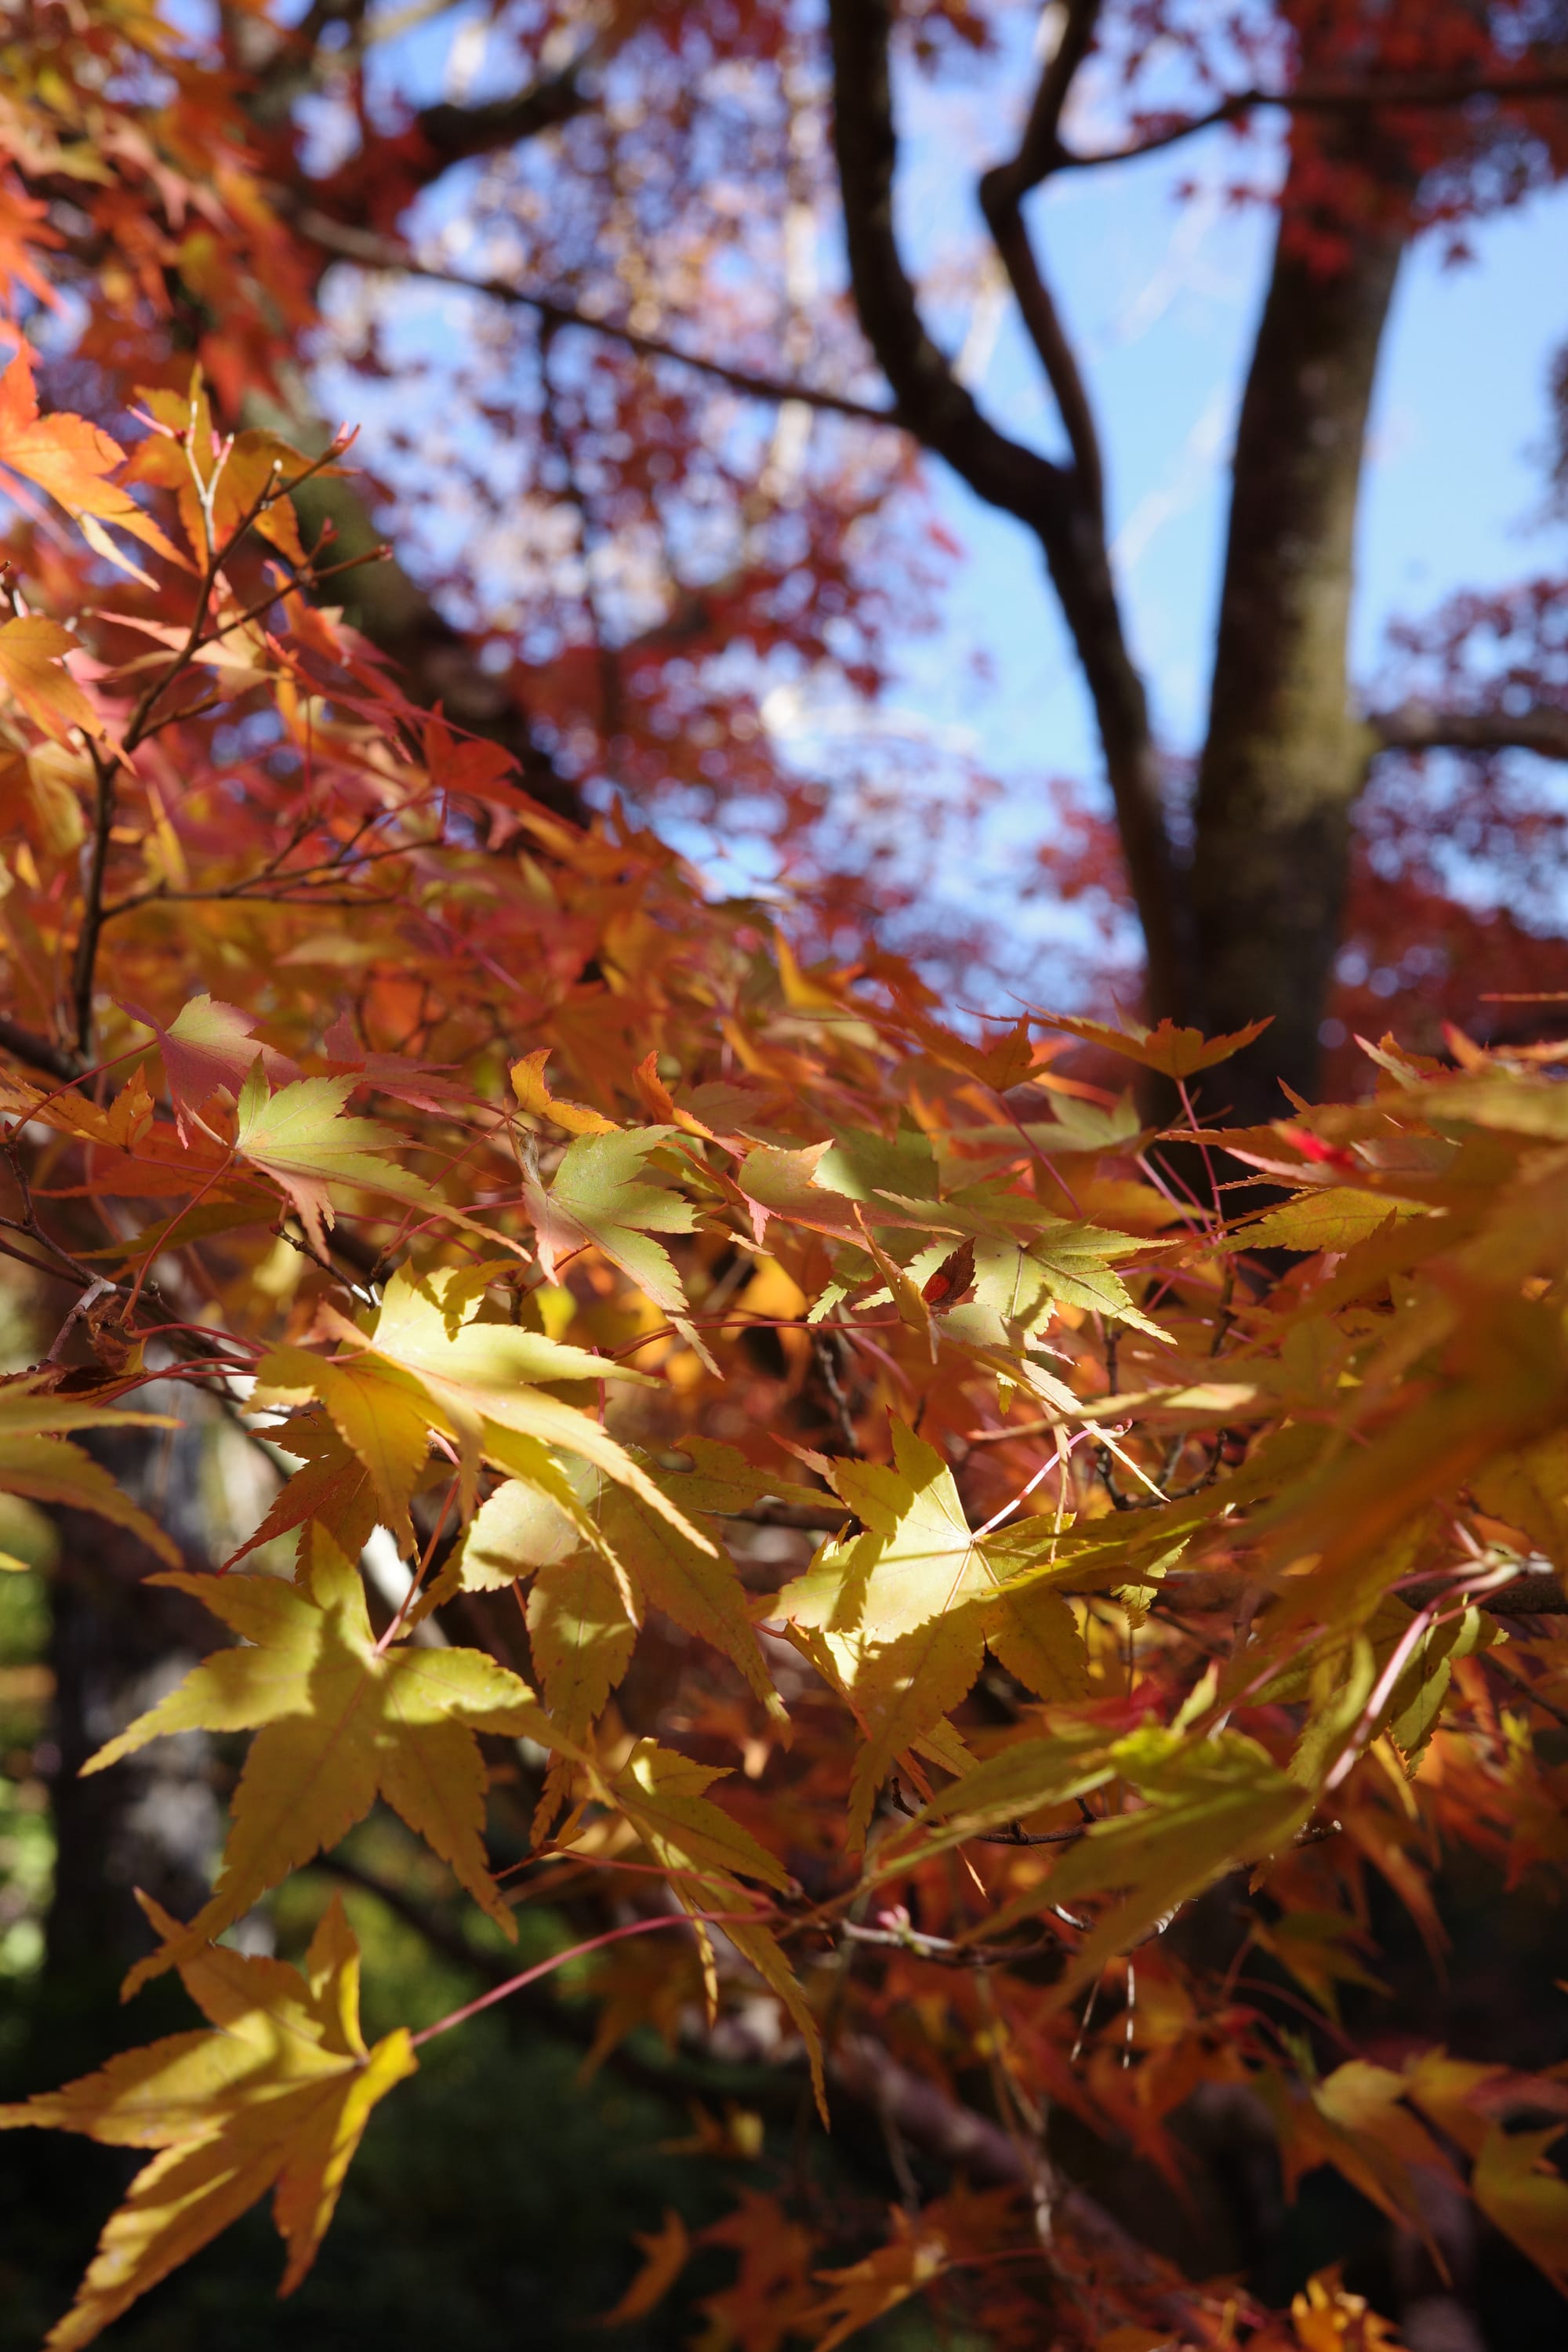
x=1002, y=192
x=454, y=133
x=1412, y=93
x=105, y=767
x=37, y=1051
x=363, y=247
x=943, y=1950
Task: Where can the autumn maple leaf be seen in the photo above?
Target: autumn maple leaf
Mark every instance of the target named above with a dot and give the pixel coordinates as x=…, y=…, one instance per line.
x=40, y=1461
x=701, y=1848
x=275, y=2096
x=206, y=1048
x=484, y=1384
x=34, y=674
x=899, y=1616
x=1173, y=1052
x=602, y=1192
x=71, y=458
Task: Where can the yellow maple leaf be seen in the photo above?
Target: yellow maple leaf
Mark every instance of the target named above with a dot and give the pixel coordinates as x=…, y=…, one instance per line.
x=601, y=1192
x=900, y=1615
x=37, y=1461
x=532, y=1090
x=1206, y=1804
x=338, y=1724
x=661, y=1794
x=1529, y=2203
x=304, y=1140
x=580, y=1635
x=696, y=1584
x=218, y=481
x=332, y=1486
x=275, y=2096
x=383, y=1416
x=916, y=1559
x=481, y=1381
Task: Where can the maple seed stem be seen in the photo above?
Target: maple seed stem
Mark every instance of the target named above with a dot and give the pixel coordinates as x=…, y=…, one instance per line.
x=578, y=1952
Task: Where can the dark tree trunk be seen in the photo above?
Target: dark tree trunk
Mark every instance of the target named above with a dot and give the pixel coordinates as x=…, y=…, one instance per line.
x=1286, y=754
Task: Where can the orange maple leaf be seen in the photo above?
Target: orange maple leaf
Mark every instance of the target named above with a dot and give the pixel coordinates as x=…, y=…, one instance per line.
x=71, y=458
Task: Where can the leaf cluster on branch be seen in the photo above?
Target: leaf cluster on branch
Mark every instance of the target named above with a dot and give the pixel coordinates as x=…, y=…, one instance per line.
x=1145, y=1567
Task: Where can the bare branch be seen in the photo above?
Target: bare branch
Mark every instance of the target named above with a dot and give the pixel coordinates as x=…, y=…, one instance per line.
x=453, y=133
x=1417, y=727
x=1406, y=92
x=37, y=1051
x=373, y=252
x=1001, y=193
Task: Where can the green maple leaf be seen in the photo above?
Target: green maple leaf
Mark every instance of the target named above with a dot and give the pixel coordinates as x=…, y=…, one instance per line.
x=1064, y=1265
x=602, y=1192
x=304, y=1139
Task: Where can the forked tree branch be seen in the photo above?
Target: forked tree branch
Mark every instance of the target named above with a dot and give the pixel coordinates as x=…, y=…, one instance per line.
x=1058, y=503
x=931, y=401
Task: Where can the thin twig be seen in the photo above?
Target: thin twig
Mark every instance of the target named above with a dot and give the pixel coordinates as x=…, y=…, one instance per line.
x=371, y=252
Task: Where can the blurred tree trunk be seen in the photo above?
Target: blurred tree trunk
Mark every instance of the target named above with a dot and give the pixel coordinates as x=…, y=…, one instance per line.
x=115, y=1647
x=1286, y=754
